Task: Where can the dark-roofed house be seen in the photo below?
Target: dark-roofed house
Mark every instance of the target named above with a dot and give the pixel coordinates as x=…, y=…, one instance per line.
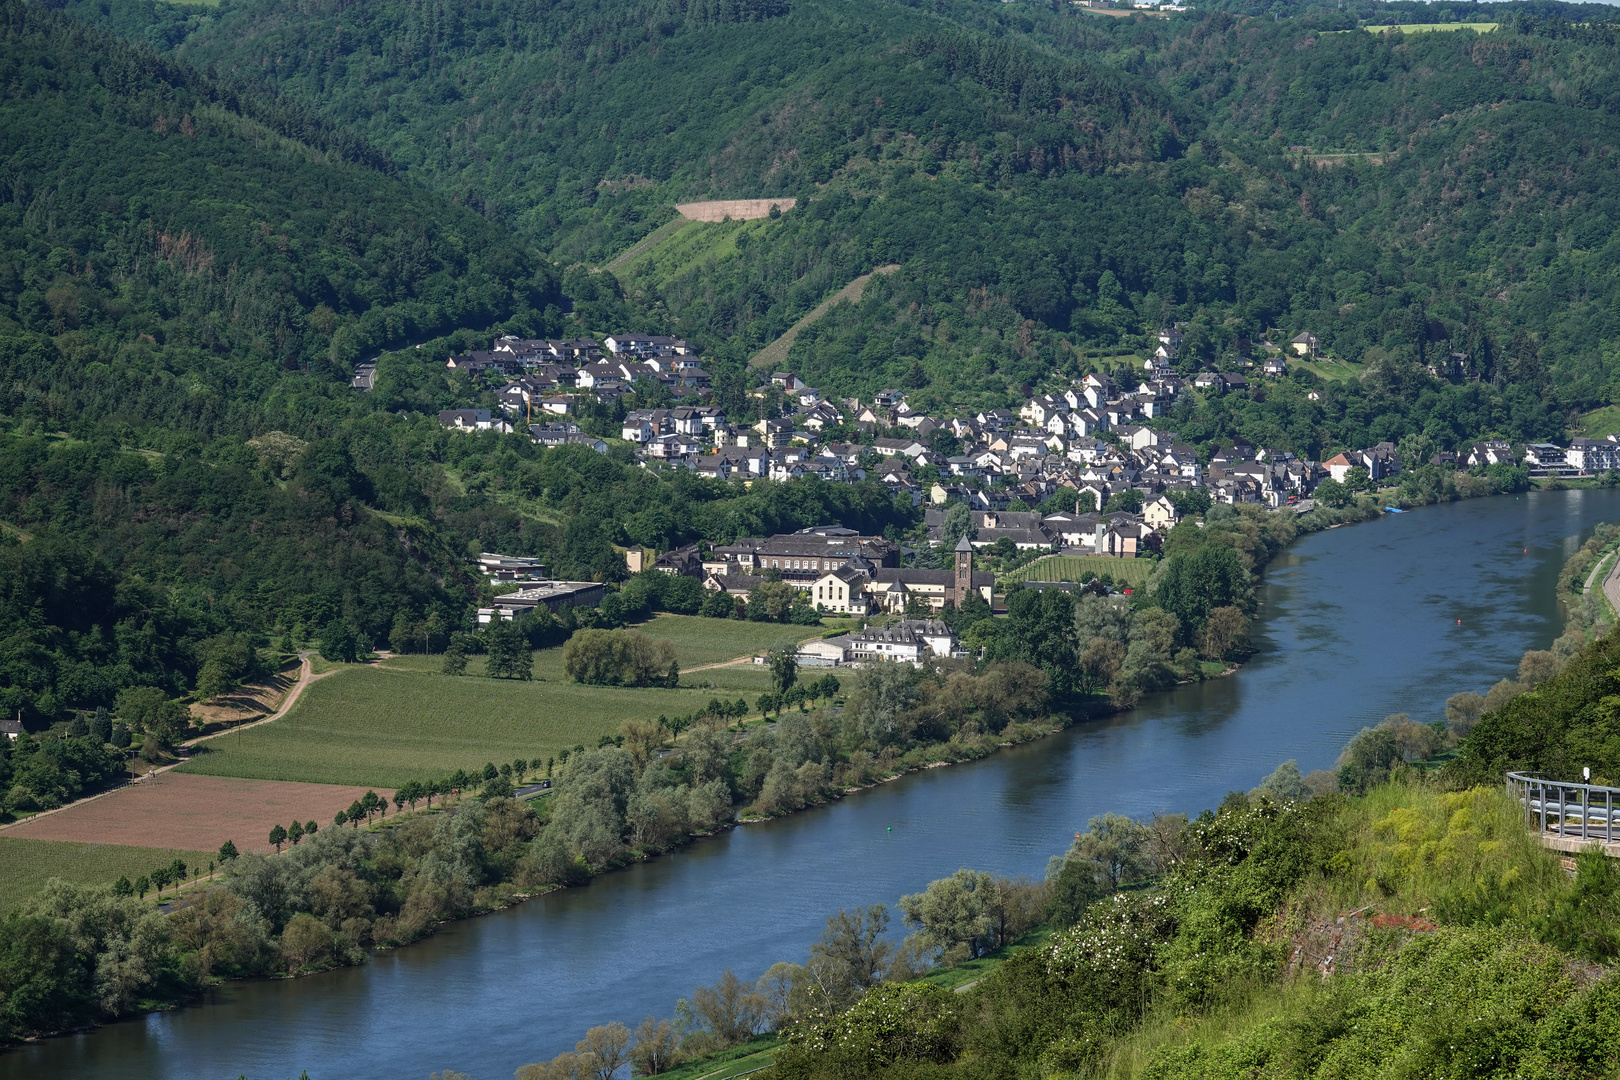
x=908, y=641
x=804, y=556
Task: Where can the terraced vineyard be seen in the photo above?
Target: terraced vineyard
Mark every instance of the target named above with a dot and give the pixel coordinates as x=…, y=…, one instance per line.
x=1133, y=572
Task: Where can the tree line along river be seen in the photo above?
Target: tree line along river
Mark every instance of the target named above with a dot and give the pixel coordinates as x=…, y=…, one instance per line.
x=1355, y=623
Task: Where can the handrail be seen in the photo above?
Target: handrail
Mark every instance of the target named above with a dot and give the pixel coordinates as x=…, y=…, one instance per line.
x=1567, y=809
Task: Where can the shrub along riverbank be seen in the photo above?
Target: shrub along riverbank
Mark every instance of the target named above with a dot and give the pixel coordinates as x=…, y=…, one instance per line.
x=1283, y=935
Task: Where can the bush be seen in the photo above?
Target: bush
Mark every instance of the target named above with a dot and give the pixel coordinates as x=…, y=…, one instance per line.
x=620, y=658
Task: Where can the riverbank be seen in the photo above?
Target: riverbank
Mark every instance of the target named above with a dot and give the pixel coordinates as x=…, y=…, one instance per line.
x=580, y=956
x=1002, y=712
x=639, y=858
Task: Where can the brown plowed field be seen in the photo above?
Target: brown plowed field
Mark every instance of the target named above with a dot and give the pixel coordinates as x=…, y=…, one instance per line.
x=195, y=813
x=735, y=209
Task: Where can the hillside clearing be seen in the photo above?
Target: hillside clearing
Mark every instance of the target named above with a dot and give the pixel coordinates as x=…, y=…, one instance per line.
x=734, y=209
x=651, y=240
x=776, y=352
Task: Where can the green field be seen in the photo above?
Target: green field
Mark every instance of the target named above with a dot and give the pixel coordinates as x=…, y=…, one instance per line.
x=710, y=641
x=686, y=250
x=1599, y=423
x=383, y=725
x=25, y=865
x=1132, y=572
x=1424, y=28
x=1328, y=370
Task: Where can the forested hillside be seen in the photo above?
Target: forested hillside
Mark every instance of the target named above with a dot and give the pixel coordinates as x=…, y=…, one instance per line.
x=1055, y=184
x=193, y=256
x=174, y=249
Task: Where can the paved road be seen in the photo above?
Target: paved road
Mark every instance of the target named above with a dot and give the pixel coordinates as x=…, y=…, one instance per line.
x=1611, y=586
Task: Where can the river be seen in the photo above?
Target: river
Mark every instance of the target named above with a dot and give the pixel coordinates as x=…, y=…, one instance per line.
x=1355, y=623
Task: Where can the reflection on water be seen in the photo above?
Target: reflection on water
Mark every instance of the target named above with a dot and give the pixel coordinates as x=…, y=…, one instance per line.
x=1356, y=623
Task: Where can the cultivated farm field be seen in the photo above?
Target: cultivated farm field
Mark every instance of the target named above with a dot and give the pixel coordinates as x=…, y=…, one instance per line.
x=1133, y=572
x=198, y=813
x=710, y=641
x=25, y=865
x=387, y=724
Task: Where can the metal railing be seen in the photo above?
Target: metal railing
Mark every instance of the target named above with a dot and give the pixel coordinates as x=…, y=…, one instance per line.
x=1556, y=808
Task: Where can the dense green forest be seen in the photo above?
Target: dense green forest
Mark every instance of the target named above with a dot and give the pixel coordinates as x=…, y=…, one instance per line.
x=1054, y=184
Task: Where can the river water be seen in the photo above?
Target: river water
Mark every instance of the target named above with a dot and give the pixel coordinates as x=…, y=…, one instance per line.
x=1356, y=623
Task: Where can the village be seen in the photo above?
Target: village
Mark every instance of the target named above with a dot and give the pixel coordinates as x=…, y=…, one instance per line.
x=1078, y=472
x=1091, y=447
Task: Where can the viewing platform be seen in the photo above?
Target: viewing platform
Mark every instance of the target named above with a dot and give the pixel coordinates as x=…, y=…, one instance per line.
x=1569, y=817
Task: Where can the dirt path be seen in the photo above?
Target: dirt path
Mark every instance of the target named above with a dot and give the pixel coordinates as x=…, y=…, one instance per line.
x=306, y=675
x=776, y=352
x=723, y=663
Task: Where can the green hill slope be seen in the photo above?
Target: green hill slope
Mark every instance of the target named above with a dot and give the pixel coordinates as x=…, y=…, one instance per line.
x=173, y=250
x=562, y=114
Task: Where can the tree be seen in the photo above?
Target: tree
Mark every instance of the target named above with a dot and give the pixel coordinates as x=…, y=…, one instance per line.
x=311, y=827
x=784, y=667
x=972, y=913
x=1331, y=493
x=295, y=832
x=1114, y=844
x=215, y=680
x=1463, y=711
x=227, y=851
x=957, y=524
x=339, y=643
x=1225, y=634
x=1367, y=759
x=278, y=836
x=1197, y=582
x=655, y=1049
x=122, y=887
x=142, y=884
x=148, y=710
x=604, y=1050
x=952, y=916
x=851, y=955
x=731, y=1008
x=770, y=601
x=455, y=656
x=162, y=876
x=619, y=658
x=509, y=654
x=1285, y=783
x=1074, y=886
x=101, y=724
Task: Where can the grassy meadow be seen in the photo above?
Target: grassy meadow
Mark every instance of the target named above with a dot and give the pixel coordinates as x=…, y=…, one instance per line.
x=700, y=641
x=383, y=725
x=1131, y=572
x=25, y=865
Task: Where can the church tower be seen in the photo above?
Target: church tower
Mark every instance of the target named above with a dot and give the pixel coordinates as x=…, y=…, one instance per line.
x=962, y=586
